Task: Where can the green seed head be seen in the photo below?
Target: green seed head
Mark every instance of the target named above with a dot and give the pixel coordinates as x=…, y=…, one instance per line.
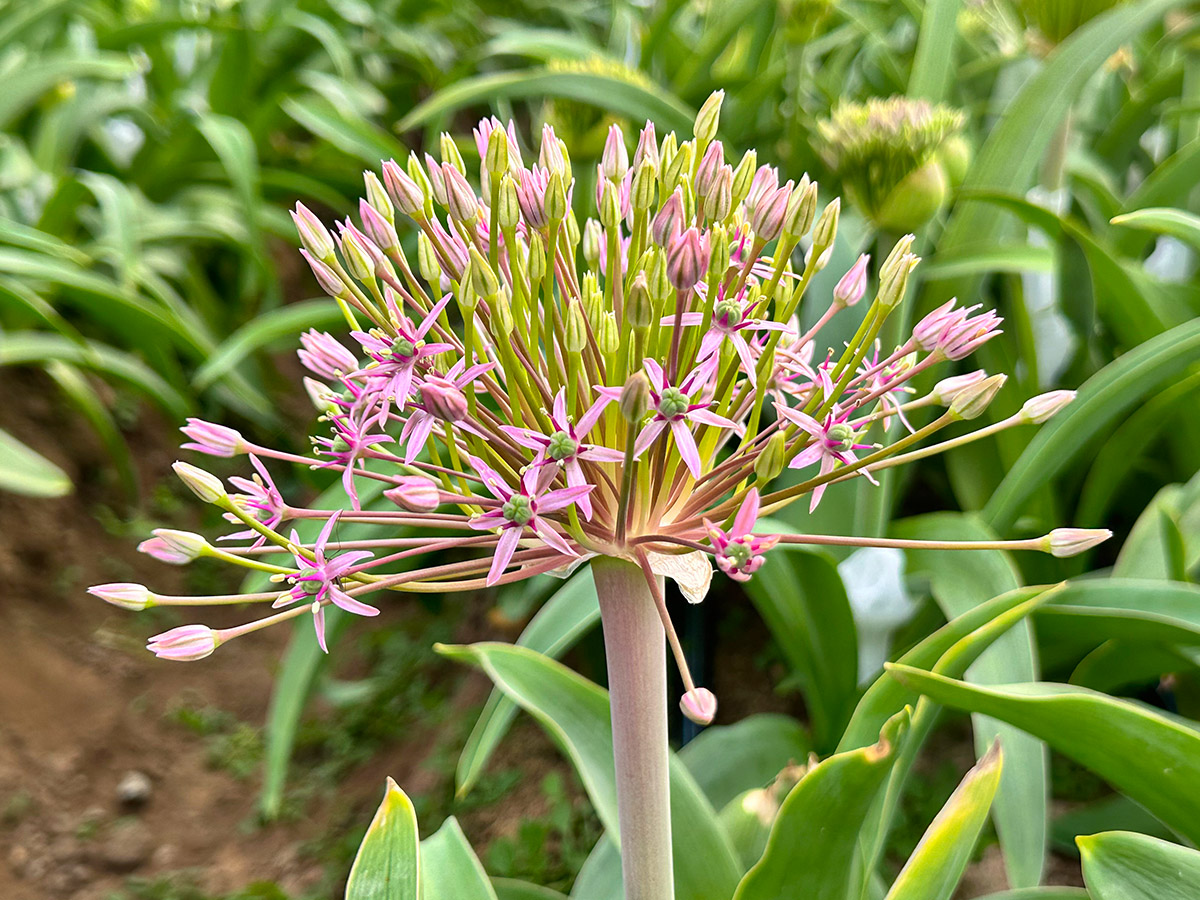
x=562, y=446
x=518, y=509
x=310, y=587
x=842, y=435
x=403, y=349
x=674, y=403
x=729, y=310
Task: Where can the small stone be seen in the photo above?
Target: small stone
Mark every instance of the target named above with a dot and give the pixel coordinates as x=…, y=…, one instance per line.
x=18, y=859
x=134, y=789
x=127, y=846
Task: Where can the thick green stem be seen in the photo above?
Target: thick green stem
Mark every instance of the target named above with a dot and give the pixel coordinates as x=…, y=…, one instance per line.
x=635, y=645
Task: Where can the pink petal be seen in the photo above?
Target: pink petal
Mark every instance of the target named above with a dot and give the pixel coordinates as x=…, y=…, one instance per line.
x=341, y=599
x=504, y=552
x=686, y=444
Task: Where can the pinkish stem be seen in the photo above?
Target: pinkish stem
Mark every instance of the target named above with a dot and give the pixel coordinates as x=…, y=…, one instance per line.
x=635, y=646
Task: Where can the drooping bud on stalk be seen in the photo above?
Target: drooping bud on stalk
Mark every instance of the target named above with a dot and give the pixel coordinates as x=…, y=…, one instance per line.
x=213, y=439
x=1063, y=542
x=313, y=234
x=1037, y=410
x=377, y=228
x=175, y=547
x=414, y=493
x=699, y=705
x=851, y=286
x=973, y=400
x=947, y=389
x=709, y=117
x=187, y=643
x=134, y=597
x=634, y=401
x=205, y=485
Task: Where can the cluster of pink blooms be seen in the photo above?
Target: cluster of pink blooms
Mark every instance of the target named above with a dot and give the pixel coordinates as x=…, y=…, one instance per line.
x=536, y=392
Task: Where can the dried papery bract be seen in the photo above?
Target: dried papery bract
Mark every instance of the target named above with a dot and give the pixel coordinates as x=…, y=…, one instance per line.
x=540, y=392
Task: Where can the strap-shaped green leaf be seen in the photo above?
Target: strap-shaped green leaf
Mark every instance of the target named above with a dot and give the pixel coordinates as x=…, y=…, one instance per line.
x=388, y=862
x=450, y=868
x=1121, y=865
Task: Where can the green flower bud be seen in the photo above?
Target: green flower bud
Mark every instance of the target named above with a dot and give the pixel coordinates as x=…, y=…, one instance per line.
x=610, y=207
x=537, y=258
x=502, y=317
x=955, y=158
x=915, y=200
x=377, y=196
x=709, y=118
x=718, y=250
x=678, y=170
x=772, y=459
x=639, y=308
x=645, y=180
x=496, y=157
x=427, y=260
x=801, y=210
x=634, y=401
x=556, y=198
x=609, y=338
x=825, y=231
x=743, y=177
x=719, y=202
x=483, y=278
x=894, y=282
x=592, y=238
x=451, y=154
x=899, y=250
x=576, y=332
x=508, y=210
x=571, y=229
x=416, y=172
x=973, y=400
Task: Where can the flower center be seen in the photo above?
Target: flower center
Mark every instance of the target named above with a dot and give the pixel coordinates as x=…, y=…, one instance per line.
x=340, y=445
x=674, y=403
x=403, y=349
x=562, y=446
x=739, y=552
x=728, y=313
x=311, y=583
x=518, y=509
x=840, y=437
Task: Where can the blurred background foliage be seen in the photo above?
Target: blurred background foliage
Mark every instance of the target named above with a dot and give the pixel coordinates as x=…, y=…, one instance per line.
x=1047, y=156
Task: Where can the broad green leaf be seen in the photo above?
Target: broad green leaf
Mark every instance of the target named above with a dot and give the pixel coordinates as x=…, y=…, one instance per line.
x=450, y=868
x=617, y=95
x=600, y=875
x=544, y=44
x=1132, y=609
x=75, y=386
x=25, y=471
x=1162, y=220
x=1023, y=258
x=42, y=73
x=1141, y=753
x=810, y=854
x=388, y=862
x=1040, y=893
x=1156, y=547
x=960, y=581
x=726, y=760
x=575, y=713
x=357, y=138
x=1113, y=812
x=1103, y=399
x=937, y=864
x=562, y=620
x=284, y=322
x=933, y=65
x=1121, y=865
x=511, y=889
x=1009, y=157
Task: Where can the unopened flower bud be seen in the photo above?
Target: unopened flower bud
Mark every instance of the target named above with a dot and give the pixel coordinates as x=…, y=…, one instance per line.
x=175, y=547
x=825, y=231
x=377, y=196
x=575, y=332
x=443, y=400
x=537, y=259
x=451, y=155
x=947, y=389
x=718, y=249
x=377, y=228
x=437, y=179
x=709, y=117
x=679, y=166
x=1063, y=542
x=765, y=182
x=647, y=148
x=610, y=207
x=134, y=597
x=213, y=439
x=356, y=250
x=1037, y=410
x=972, y=401
x=556, y=198
x=699, y=705
x=461, y=201
x=801, y=210
x=686, y=258
x=710, y=164
x=593, y=237
x=427, y=259
x=205, y=485
x=768, y=214
x=324, y=398
x=645, y=179
x=669, y=220
x=634, y=401
x=719, y=202
x=894, y=282
x=187, y=643
x=406, y=193
x=851, y=287
x=743, y=176
x=614, y=162
x=502, y=317
x=495, y=160
x=899, y=251
x=571, y=228
x=313, y=234
x=608, y=337
x=483, y=278
x=639, y=308
x=329, y=280
x=772, y=459
x=415, y=492
x=508, y=210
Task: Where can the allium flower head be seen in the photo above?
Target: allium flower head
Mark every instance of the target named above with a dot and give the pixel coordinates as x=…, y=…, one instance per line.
x=540, y=390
